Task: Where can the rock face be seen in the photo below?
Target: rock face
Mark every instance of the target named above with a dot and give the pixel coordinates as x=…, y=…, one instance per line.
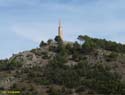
x=32, y=58
x=7, y=82
x=41, y=56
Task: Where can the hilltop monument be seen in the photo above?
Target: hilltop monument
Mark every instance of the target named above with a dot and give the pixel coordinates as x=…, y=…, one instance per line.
x=60, y=30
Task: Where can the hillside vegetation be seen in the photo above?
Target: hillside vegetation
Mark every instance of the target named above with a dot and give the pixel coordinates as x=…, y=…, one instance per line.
x=89, y=66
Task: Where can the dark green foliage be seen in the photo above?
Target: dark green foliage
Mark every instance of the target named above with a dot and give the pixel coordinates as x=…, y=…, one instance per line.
x=111, y=57
x=53, y=48
x=97, y=77
x=49, y=41
x=76, y=46
x=81, y=38
x=45, y=55
x=105, y=81
x=88, y=46
x=6, y=65
x=3, y=64
x=69, y=48
x=43, y=82
x=76, y=51
x=54, y=92
x=80, y=89
x=14, y=64
x=42, y=43
x=61, y=74
x=58, y=39
x=102, y=43
x=57, y=91
x=61, y=54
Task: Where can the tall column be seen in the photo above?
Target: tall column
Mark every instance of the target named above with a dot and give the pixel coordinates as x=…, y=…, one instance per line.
x=60, y=30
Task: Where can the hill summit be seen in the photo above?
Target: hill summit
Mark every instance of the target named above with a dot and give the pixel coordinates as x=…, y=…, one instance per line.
x=89, y=67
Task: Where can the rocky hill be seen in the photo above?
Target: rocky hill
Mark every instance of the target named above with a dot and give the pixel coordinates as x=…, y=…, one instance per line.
x=88, y=67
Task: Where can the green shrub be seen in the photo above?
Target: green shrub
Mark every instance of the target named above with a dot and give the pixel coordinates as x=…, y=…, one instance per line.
x=111, y=57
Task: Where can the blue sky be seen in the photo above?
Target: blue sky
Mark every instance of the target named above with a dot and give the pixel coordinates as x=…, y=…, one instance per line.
x=24, y=23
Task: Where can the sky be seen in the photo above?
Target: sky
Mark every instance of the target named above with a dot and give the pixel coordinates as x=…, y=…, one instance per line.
x=24, y=23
